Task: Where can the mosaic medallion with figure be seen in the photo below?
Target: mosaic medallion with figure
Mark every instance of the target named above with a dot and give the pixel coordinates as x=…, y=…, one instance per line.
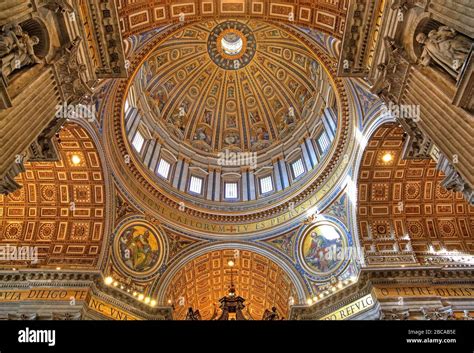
x=323, y=249
x=139, y=248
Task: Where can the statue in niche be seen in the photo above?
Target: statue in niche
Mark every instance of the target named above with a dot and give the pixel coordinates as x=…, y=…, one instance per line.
x=446, y=48
x=9, y=40
x=17, y=50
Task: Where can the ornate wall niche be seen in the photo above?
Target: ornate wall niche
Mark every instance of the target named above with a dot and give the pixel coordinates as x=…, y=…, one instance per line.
x=37, y=27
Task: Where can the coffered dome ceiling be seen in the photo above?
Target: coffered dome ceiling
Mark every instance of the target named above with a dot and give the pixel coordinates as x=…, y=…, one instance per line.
x=229, y=85
x=245, y=87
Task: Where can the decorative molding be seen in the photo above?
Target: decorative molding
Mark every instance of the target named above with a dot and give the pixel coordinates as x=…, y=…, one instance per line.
x=370, y=278
x=103, y=36
x=69, y=73
x=361, y=34
x=323, y=15
x=128, y=303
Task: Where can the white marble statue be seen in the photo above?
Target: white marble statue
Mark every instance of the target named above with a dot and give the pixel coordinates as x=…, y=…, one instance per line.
x=16, y=50
x=445, y=47
x=9, y=40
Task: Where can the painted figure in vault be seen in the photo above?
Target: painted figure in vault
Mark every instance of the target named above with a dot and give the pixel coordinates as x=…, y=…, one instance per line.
x=322, y=249
x=286, y=124
x=139, y=248
x=314, y=70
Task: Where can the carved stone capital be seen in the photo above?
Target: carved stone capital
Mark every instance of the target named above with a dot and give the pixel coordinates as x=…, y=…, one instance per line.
x=67, y=316
x=418, y=145
x=453, y=180
x=438, y=314
x=22, y=316
x=394, y=314
x=59, y=6
x=69, y=73
x=392, y=72
x=405, y=5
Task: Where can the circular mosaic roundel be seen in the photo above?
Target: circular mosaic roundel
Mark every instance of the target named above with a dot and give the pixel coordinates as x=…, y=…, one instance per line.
x=139, y=248
x=323, y=248
x=231, y=45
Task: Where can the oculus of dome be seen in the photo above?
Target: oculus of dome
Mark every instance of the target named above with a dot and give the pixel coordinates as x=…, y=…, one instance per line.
x=231, y=45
